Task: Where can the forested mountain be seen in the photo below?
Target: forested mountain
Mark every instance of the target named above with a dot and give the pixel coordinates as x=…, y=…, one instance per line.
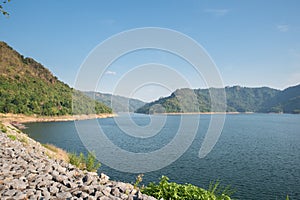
x=117, y=103
x=286, y=101
x=239, y=99
x=243, y=99
x=27, y=87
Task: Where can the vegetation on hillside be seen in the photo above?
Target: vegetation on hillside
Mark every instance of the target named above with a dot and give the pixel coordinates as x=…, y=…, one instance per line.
x=115, y=102
x=27, y=87
x=287, y=101
x=238, y=99
x=2, y=10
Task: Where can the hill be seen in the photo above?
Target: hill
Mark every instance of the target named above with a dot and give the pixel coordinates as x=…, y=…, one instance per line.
x=286, y=101
x=27, y=87
x=120, y=103
x=239, y=99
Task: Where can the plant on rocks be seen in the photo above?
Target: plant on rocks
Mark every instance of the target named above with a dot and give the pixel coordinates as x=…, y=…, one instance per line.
x=89, y=162
x=170, y=190
x=3, y=128
x=138, y=180
x=12, y=137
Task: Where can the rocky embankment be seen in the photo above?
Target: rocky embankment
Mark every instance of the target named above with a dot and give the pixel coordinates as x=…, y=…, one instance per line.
x=28, y=172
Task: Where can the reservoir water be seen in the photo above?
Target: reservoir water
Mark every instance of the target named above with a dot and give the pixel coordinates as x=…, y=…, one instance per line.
x=258, y=155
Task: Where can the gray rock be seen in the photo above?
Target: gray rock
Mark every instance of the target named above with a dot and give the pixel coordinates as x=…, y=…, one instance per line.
x=63, y=195
x=53, y=190
x=42, y=184
x=70, y=174
x=67, y=183
x=64, y=189
x=20, y=195
x=61, y=169
x=77, y=193
x=115, y=192
x=104, y=198
x=87, y=179
x=121, y=186
x=38, y=193
x=10, y=193
x=31, y=176
x=98, y=194
x=27, y=173
x=18, y=184
x=30, y=192
x=124, y=196
x=91, y=198
x=55, y=173
x=84, y=195
x=60, y=178
x=46, y=194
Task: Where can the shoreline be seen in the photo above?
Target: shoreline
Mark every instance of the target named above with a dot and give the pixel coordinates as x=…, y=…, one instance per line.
x=202, y=113
x=30, y=170
x=21, y=118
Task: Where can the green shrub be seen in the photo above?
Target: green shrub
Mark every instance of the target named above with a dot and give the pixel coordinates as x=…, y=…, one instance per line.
x=89, y=162
x=77, y=160
x=12, y=137
x=169, y=190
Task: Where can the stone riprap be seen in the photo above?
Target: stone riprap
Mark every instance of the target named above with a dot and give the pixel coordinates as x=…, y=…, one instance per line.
x=27, y=172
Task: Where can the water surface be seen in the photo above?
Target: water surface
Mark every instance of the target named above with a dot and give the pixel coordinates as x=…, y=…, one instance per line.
x=257, y=154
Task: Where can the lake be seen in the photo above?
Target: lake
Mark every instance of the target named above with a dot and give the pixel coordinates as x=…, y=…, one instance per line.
x=258, y=155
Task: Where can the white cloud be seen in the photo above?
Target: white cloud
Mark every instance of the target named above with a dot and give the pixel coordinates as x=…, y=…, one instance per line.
x=111, y=73
x=217, y=12
x=283, y=27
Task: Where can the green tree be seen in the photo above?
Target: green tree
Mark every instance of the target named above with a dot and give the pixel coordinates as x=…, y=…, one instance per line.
x=2, y=9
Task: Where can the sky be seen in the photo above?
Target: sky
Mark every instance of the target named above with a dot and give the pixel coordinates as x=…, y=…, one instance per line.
x=252, y=43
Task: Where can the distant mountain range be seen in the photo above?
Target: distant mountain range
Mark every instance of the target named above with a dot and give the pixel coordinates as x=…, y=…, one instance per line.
x=239, y=99
x=27, y=87
x=117, y=103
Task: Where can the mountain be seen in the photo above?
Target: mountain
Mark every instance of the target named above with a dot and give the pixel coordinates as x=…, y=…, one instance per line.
x=120, y=104
x=27, y=87
x=286, y=101
x=239, y=99
x=243, y=99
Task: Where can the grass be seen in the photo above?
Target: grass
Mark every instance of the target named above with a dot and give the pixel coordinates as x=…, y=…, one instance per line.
x=89, y=162
x=24, y=140
x=12, y=137
x=56, y=153
x=3, y=128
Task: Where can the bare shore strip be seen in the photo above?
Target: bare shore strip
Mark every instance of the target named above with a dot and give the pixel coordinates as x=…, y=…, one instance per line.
x=202, y=113
x=21, y=118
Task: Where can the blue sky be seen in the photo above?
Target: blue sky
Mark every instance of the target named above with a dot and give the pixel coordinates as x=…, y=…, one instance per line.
x=253, y=43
